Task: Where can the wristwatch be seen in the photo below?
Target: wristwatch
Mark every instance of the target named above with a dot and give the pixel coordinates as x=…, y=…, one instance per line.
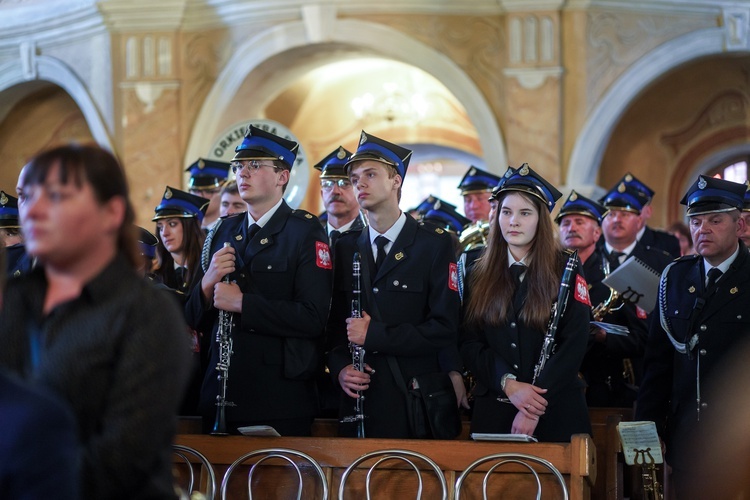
x=505, y=379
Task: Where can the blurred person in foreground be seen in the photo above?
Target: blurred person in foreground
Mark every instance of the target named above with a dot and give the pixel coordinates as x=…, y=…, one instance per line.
x=87, y=326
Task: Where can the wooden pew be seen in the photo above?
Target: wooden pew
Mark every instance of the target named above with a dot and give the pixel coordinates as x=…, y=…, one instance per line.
x=575, y=460
x=613, y=475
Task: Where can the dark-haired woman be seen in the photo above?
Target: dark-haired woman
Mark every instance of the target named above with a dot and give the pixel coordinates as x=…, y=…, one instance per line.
x=85, y=324
x=511, y=291
x=178, y=254
x=178, y=227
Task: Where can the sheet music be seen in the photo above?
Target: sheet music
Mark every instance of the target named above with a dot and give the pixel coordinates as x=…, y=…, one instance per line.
x=635, y=282
x=640, y=442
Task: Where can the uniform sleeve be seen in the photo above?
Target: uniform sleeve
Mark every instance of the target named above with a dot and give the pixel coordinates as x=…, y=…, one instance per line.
x=486, y=364
x=305, y=312
x=571, y=340
x=438, y=330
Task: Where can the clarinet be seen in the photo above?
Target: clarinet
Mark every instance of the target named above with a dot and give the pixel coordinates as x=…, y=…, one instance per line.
x=357, y=351
x=558, y=308
x=224, y=339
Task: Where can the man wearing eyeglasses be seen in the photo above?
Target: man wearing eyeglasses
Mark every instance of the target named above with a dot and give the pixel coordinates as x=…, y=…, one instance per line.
x=278, y=291
x=342, y=209
x=206, y=180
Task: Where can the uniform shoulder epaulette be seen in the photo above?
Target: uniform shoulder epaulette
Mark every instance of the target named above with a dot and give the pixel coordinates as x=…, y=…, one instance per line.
x=651, y=248
x=686, y=258
x=303, y=214
x=432, y=228
x=231, y=216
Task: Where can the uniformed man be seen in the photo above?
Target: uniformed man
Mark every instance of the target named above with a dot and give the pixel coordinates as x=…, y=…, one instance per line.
x=621, y=225
x=607, y=365
x=702, y=317
x=652, y=237
x=340, y=204
x=206, y=180
x=230, y=200
x=745, y=234
x=476, y=187
x=279, y=267
x=410, y=294
x=11, y=237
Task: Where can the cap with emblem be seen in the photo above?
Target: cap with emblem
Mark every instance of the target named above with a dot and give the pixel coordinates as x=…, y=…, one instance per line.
x=625, y=197
x=147, y=242
x=8, y=211
x=525, y=180
x=746, y=202
x=445, y=215
x=630, y=180
x=580, y=205
x=376, y=149
x=206, y=175
x=332, y=166
x=261, y=145
x=424, y=206
x=176, y=203
x=477, y=180
x=710, y=195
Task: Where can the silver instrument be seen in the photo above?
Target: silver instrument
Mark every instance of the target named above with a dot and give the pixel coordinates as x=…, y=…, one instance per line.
x=224, y=339
x=357, y=351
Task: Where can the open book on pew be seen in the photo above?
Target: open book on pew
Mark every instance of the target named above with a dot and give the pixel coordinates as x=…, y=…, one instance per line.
x=636, y=282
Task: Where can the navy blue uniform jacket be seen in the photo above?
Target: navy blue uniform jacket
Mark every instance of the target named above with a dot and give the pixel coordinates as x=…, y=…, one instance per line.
x=419, y=306
x=668, y=391
x=284, y=273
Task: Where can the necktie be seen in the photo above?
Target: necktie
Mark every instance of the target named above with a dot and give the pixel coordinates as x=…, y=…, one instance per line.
x=380, y=242
x=516, y=270
x=254, y=228
x=614, y=259
x=180, y=272
x=333, y=236
x=713, y=275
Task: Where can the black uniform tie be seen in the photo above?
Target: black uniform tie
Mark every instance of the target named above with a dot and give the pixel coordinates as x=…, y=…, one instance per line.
x=380, y=242
x=614, y=259
x=333, y=236
x=713, y=275
x=516, y=270
x=252, y=231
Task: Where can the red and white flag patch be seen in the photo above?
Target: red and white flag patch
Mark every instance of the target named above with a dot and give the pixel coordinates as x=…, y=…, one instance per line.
x=582, y=290
x=641, y=313
x=453, y=276
x=323, y=255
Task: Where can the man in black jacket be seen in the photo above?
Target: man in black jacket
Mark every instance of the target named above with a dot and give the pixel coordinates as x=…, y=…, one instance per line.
x=410, y=288
x=279, y=268
x=701, y=318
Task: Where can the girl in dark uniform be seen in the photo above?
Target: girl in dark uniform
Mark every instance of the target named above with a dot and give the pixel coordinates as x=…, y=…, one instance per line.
x=509, y=300
x=178, y=256
x=178, y=227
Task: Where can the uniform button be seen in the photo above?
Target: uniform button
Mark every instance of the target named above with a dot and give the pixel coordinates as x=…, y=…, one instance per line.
x=404, y=287
x=513, y=345
x=704, y=406
x=242, y=275
x=515, y=367
x=676, y=311
x=512, y=324
x=270, y=266
x=739, y=316
x=375, y=290
x=395, y=282
x=703, y=352
x=704, y=328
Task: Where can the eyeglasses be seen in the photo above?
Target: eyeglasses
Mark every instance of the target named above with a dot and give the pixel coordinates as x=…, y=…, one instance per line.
x=251, y=165
x=327, y=184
